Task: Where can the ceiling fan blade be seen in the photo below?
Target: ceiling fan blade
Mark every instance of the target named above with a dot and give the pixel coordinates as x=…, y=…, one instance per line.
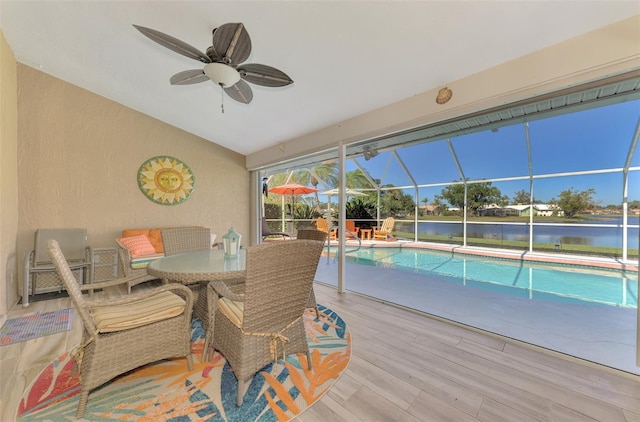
x=232, y=43
x=189, y=77
x=264, y=75
x=240, y=92
x=173, y=44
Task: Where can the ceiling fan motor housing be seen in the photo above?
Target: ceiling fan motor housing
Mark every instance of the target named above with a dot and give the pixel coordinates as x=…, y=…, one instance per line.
x=222, y=74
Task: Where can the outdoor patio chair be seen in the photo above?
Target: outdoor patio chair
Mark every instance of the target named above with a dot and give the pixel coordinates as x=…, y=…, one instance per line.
x=186, y=239
x=384, y=231
x=352, y=230
x=39, y=272
x=267, y=232
x=181, y=240
x=265, y=323
x=125, y=333
x=318, y=235
x=323, y=225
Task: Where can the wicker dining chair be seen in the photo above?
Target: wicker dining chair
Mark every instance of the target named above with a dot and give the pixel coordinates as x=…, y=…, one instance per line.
x=181, y=240
x=311, y=234
x=125, y=333
x=265, y=323
x=318, y=235
x=186, y=239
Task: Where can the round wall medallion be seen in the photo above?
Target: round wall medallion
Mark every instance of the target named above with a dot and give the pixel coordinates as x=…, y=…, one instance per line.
x=166, y=180
x=444, y=95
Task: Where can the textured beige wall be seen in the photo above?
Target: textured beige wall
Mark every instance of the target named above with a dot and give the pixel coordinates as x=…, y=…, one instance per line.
x=8, y=177
x=78, y=157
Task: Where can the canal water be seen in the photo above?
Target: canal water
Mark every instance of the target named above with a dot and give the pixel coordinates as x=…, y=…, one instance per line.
x=596, y=231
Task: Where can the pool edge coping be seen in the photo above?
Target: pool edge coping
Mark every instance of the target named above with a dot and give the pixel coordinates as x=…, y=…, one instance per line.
x=516, y=255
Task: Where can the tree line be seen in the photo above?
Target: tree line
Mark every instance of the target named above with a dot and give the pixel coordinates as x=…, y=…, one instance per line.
x=394, y=202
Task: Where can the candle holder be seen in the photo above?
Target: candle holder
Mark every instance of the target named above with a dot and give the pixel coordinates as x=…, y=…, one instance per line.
x=231, y=242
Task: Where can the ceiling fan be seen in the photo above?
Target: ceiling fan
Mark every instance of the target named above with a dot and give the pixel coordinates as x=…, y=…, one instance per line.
x=231, y=46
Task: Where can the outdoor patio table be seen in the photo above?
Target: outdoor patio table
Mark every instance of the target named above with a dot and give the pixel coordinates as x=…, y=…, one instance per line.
x=365, y=234
x=195, y=267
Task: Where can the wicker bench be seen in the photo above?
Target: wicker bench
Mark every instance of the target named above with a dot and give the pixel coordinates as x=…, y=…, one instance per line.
x=134, y=264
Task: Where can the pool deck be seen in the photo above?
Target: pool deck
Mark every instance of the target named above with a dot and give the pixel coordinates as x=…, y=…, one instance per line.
x=605, y=335
x=555, y=258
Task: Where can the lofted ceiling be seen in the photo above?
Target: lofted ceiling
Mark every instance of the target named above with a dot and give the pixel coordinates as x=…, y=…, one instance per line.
x=346, y=57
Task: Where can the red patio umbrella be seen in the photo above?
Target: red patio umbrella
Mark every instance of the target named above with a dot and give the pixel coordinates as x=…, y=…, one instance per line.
x=292, y=189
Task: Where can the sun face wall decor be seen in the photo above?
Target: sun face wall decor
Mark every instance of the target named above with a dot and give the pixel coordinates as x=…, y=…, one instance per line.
x=166, y=180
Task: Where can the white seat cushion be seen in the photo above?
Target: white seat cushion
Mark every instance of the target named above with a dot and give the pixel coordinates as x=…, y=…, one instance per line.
x=232, y=309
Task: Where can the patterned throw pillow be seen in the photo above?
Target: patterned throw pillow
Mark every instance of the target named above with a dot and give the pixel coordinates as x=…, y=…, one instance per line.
x=137, y=245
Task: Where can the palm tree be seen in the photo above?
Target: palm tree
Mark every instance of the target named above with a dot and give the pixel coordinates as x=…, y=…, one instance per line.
x=357, y=179
x=327, y=172
x=425, y=201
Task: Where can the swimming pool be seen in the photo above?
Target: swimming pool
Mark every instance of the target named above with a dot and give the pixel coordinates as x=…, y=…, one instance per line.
x=562, y=283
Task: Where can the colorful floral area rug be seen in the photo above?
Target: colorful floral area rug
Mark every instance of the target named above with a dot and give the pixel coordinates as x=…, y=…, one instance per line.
x=36, y=325
x=168, y=391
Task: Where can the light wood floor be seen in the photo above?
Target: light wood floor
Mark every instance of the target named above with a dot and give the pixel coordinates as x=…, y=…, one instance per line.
x=408, y=367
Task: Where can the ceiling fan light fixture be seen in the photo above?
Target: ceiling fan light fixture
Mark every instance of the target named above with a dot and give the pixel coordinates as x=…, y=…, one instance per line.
x=222, y=74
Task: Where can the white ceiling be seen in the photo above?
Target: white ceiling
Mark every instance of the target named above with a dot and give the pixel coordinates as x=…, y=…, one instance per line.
x=345, y=57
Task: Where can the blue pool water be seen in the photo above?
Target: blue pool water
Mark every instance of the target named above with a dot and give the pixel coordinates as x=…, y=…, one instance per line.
x=561, y=283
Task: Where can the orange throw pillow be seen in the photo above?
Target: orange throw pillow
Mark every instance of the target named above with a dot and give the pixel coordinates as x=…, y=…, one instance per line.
x=138, y=245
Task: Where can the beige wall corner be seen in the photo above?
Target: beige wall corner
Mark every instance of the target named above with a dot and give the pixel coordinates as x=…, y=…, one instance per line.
x=78, y=159
x=8, y=177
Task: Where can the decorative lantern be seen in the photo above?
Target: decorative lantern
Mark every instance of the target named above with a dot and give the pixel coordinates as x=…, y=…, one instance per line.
x=231, y=241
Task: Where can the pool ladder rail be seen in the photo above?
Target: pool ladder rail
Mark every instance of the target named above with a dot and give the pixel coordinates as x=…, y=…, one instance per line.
x=346, y=250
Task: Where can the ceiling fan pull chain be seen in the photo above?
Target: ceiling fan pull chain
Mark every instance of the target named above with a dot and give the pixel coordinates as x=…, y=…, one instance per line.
x=222, y=98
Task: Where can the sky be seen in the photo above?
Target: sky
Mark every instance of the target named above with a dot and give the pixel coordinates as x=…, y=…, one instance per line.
x=593, y=139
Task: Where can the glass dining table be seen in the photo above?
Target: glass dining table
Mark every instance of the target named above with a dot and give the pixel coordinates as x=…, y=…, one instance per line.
x=198, y=267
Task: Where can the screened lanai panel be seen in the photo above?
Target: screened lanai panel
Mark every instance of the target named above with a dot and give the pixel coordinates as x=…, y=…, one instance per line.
x=589, y=140
x=601, y=234
x=493, y=153
x=633, y=217
x=504, y=222
x=514, y=191
x=432, y=203
x=607, y=188
x=430, y=163
x=615, y=89
x=386, y=169
x=633, y=191
x=395, y=174
x=356, y=176
x=635, y=154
